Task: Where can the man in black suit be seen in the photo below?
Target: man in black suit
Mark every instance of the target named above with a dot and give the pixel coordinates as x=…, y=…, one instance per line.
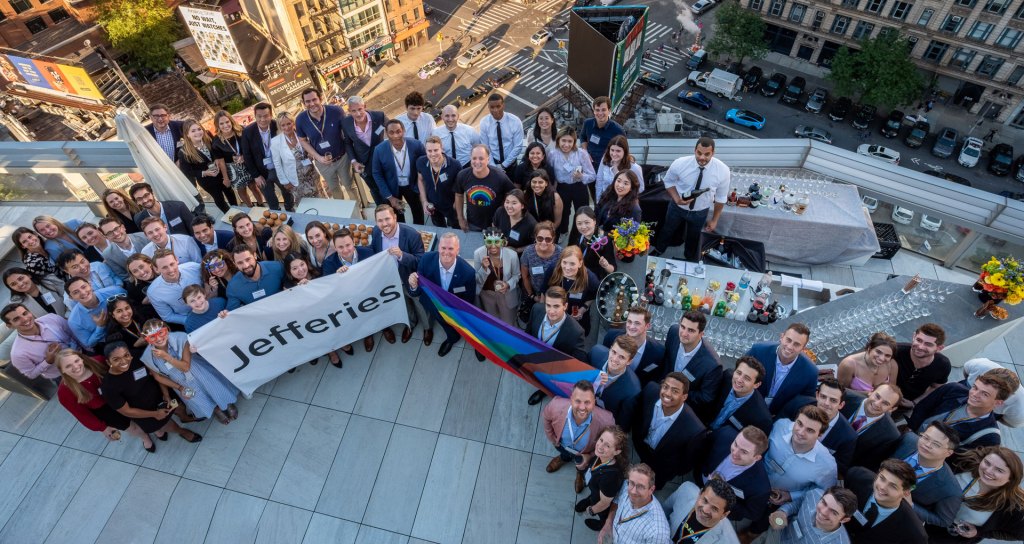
x=209, y=238
x=839, y=437
x=686, y=352
x=404, y=244
x=788, y=372
x=167, y=133
x=174, y=213
x=739, y=403
x=736, y=456
x=646, y=364
x=358, y=124
x=872, y=420
x=667, y=435
x=453, y=274
x=618, y=387
x=938, y=495
x=259, y=160
x=549, y=323
x=883, y=517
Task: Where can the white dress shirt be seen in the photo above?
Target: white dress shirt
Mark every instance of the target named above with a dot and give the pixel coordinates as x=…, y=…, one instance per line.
x=683, y=176
x=465, y=138
x=512, y=137
x=424, y=124
x=606, y=176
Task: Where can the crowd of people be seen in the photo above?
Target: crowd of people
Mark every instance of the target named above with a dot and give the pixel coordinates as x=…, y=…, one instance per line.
x=888, y=450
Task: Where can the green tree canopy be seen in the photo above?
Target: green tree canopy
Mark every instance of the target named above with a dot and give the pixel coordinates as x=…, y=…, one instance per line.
x=144, y=29
x=739, y=33
x=880, y=74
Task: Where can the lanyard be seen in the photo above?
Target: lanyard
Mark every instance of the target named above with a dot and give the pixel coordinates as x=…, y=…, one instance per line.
x=265, y=138
x=632, y=517
x=233, y=142
x=969, y=487
x=914, y=461
x=435, y=175
x=967, y=419
x=572, y=436
x=694, y=536
x=554, y=332
x=323, y=122
x=405, y=158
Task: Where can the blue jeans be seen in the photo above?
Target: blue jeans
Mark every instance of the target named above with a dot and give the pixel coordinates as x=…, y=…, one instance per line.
x=690, y=222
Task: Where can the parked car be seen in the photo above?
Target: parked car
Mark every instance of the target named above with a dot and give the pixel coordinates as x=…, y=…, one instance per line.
x=917, y=134
x=656, y=81
x=879, y=152
x=840, y=109
x=814, y=133
x=541, y=37
x=696, y=99
x=949, y=177
x=902, y=215
x=864, y=116
x=970, y=152
x=930, y=223
x=870, y=203
x=774, y=84
x=433, y=67
x=816, y=102
x=1018, y=169
x=745, y=118
x=428, y=10
x=752, y=79
x=700, y=6
x=891, y=127
x=945, y=144
x=1000, y=158
x=472, y=55
x=795, y=90
x=697, y=60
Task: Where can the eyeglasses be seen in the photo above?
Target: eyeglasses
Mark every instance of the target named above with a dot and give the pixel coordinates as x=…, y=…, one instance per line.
x=599, y=243
x=119, y=296
x=157, y=334
x=113, y=230
x=544, y=239
x=215, y=264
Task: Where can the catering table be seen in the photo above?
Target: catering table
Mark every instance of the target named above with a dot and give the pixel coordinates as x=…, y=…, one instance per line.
x=834, y=229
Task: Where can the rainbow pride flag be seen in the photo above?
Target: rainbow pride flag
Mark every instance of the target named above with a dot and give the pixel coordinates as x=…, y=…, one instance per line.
x=527, y=357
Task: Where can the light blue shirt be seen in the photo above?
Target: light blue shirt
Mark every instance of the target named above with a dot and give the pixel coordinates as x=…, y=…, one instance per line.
x=166, y=297
x=731, y=405
x=80, y=320
x=549, y=331
x=882, y=511
x=727, y=469
x=660, y=424
x=801, y=529
x=101, y=276
x=781, y=371
x=184, y=248
x=797, y=472
x=575, y=437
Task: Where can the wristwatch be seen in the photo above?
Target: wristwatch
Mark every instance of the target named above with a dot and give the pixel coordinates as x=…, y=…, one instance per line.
x=590, y=511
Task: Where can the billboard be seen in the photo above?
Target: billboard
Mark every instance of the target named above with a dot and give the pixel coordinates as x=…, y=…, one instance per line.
x=284, y=86
x=627, y=60
x=48, y=76
x=605, y=49
x=213, y=39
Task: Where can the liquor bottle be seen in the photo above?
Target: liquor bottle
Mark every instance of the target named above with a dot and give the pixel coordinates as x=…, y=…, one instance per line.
x=732, y=198
x=744, y=280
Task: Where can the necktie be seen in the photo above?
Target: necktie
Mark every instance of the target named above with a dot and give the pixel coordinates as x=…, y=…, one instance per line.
x=700, y=178
x=501, y=145
x=446, y=279
x=415, y=130
x=871, y=515
x=452, y=134
x=858, y=421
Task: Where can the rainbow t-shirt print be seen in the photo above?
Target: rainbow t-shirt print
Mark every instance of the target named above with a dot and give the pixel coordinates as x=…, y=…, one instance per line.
x=480, y=195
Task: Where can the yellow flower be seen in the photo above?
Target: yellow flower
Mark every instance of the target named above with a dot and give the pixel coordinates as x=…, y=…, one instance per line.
x=997, y=279
x=1013, y=299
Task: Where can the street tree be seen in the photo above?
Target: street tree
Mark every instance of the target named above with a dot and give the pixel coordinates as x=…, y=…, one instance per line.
x=739, y=33
x=880, y=73
x=144, y=29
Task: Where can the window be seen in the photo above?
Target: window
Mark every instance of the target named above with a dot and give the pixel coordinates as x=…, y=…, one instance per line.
x=20, y=6
x=966, y=3
x=952, y=24
x=926, y=16
x=756, y=5
x=888, y=31
x=862, y=30
x=35, y=25
x=900, y=10
x=405, y=20
x=935, y=52
x=1009, y=38
x=416, y=14
x=1016, y=75
x=58, y=15
x=362, y=18
x=980, y=31
x=306, y=34
x=840, y=24
x=776, y=7
x=852, y=4
x=796, y=13
x=989, y=66
x=1020, y=12
x=875, y=6
x=962, y=58
x=300, y=10
x=997, y=6
x=819, y=17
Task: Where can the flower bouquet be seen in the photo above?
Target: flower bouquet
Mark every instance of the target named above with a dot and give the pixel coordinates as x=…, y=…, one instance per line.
x=631, y=239
x=1001, y=279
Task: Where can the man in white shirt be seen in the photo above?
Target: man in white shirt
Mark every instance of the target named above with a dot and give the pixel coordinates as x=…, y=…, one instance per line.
x=634, y=516
x=417, y=125
x=122, y=245
x=694, y=185
x=502, y=133
x=457, y=138
x=184, y=247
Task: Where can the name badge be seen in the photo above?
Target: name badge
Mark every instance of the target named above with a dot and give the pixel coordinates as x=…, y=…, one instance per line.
x=460, y=289
x=651, y=367
x=735, y=423
x=586, y=477
x=49, y=298
x=268, y=161
x=379, y=130
x=859, y=516
x=538, y=270
x=139, y=373
x=324, y=144
x=689, y=376
x=831, y=450
x=576, y=295
x=442, y=177
x=514, y=235
x=306, y=162
x=796, y=528
x=256, y=295
x=595, y=139
x=175, y=222
x=738, y=492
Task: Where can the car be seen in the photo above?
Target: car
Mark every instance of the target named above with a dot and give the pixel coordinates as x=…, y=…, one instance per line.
x=472, y=55
x=879, y=152
x=864, y=116
x=698, y=79
x=752, y=79
x=840, y=109
x=917, y=134
x=700, y=6
x=817, y=100
x=697, y=60
x=428, y=10
x=745, y=118
x=1018, y=169
x=656, y=81
x=870, y=203
x=774, y=84
x=970, y=152
x=930, y=223
x=902, y=215
x=541, y=37
x=949, y=177
x=695, y=98
x=795, y=90
x=1000, y=158
x=892, y=125
x=814, y=133
x=433, y=67
x=945, y=144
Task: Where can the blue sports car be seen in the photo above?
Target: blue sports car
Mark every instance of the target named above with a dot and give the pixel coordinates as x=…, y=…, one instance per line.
x=745, y=118
x=695, y=98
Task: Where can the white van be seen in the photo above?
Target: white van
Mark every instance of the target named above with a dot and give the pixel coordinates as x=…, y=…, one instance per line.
x=472, y=55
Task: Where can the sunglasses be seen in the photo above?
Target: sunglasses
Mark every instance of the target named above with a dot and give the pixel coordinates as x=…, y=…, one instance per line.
x=493, y=242
x=157, y=334
x=215, y=264
x=599, y=243
x=121, y=296
x=545, y=239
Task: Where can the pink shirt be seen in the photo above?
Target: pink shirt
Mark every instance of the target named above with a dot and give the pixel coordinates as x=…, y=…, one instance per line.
x=366, y=133
x=28, y=354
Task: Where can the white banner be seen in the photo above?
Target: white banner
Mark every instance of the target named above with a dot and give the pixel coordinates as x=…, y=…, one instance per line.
x=213, y=38
x=258, y=342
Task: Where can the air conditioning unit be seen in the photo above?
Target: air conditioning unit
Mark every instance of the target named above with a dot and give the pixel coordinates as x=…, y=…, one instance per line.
x=912, y=40
x=956, y=19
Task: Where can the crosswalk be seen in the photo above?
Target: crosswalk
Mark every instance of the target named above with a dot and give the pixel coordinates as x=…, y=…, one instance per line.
x=536, y=76
x=496, y=15
x=547, y=5
x=667, y=57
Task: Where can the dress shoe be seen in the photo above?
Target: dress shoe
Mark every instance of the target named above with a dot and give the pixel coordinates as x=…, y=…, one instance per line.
x=368, y=343
x=594, y=524
x=389, y=336
x=555, y=463
x=349, y=351
x=479, y=356
x=536, y=397
x=406, y=335
x=428, y=337
x=446, y=347
x=580, y=485
x=582, y=505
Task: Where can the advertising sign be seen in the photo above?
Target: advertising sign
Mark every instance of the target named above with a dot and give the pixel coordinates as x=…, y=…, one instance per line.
x=48, y=76
x=627, y=60
x=213, y=39
x=284, y=86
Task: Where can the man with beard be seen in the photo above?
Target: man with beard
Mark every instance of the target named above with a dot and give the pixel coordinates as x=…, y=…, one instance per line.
x=256, y=280
x=457, y=137
x=174, y=213
x=700, y=515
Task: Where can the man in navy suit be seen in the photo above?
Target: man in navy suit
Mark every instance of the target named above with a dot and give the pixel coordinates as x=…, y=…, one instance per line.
x=739, y=403
x=667, y=435
x=788, y=372
x=938, y=495
x=736, y=456
x=550, y=324
x=445, y=268
x=883, y=516
x=696, y=360
x=207, y=237
x=174, y=213
x=839, y=437
x=871, y=419
x=618, y=387
x=394, y=170
x=405, y=245
x=259, y=160
x=646, y=363
x=346, y=255
x=167, y=133
x=363, y=131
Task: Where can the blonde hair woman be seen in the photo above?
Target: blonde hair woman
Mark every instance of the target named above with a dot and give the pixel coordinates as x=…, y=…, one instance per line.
x=197, y=161
x=227, y=152
x=295, y=170
x=121, y=207
x=286, y=241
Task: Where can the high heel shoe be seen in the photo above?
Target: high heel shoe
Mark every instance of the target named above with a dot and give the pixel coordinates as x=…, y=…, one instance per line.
x=161, y=438
x=152, y=446
x=348, y=350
